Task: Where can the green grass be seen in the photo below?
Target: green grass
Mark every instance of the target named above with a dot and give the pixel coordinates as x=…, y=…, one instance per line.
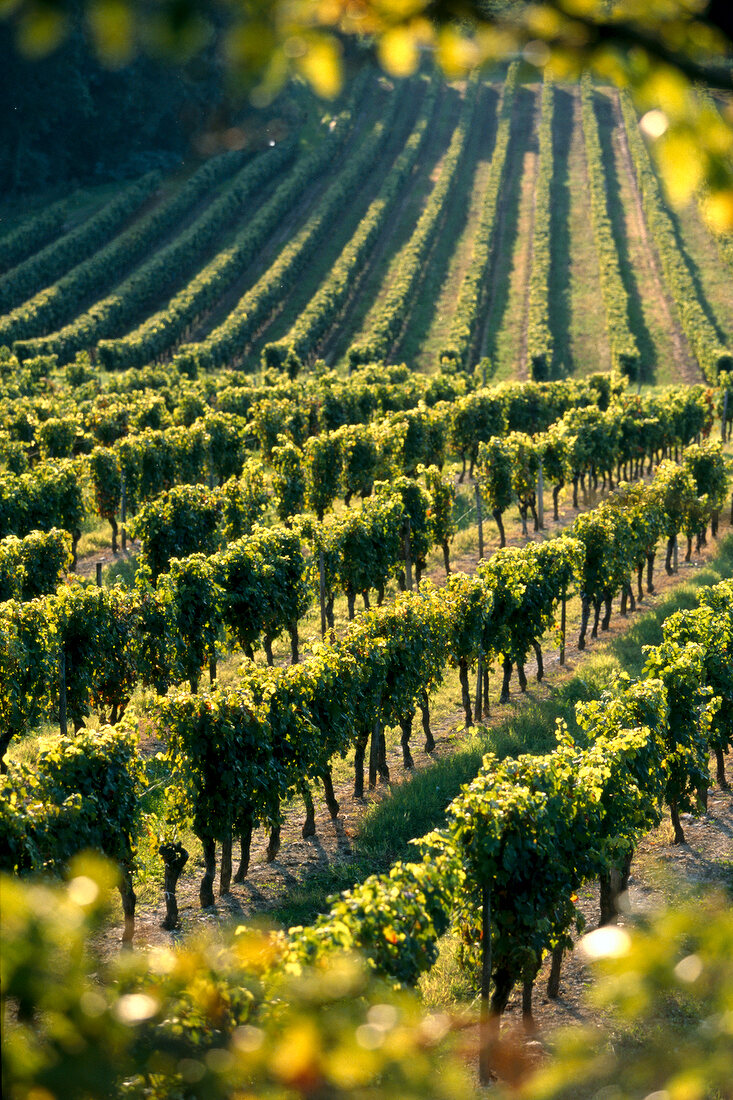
x=587, y=348
x=447, y=982
x=123, y=569
x=96, y=535
x=506, y=312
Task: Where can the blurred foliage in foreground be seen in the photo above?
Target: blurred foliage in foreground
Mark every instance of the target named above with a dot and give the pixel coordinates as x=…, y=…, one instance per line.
x=664, y=50
x=667, y=991
x=209, y=1019
x=222, y=1020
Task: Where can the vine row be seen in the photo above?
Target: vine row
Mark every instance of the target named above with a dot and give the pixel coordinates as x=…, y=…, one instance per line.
x=226, y=342
x=378, y=341
x=701, y=335
x=323, y=309
x=463, y=326
x=624, y=349
x=528, y=833
x=56, y=258
x=32, y=234
x=168, y=326
x=281, y=727
x=539, y=337
x=53, y=308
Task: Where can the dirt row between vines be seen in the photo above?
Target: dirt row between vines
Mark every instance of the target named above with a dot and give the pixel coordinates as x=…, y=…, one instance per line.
x=299, y=859
x=654, y=284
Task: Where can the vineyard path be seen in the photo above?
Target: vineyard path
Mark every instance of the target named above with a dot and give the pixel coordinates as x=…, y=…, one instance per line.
x=686, y=364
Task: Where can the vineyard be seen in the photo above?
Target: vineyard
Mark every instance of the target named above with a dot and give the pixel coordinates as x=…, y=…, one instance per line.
x=441, y=225
x=379, y=427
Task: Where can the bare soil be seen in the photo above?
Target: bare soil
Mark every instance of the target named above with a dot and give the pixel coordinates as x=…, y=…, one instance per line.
x=687, y=366
x=87, y=566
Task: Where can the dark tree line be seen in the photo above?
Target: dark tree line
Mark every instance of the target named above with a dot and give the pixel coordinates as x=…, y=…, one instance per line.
x=66, y=118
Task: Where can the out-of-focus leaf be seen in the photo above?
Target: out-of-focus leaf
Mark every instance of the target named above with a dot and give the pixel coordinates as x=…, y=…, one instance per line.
x=112, y=26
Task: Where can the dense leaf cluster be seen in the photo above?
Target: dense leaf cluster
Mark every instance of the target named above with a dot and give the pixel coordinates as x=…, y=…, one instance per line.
x=379, y=340
x=53, y=261
x=32, y=234
x=34, y=565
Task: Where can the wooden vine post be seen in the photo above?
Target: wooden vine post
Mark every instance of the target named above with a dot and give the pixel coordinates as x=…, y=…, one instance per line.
x=541, y=498
x=322, y=591
x=99, y=574
x=563, y=623
x=123, y=515
x=62, y=693
x=408, y=558
x=480, y=519
x=486, y=1030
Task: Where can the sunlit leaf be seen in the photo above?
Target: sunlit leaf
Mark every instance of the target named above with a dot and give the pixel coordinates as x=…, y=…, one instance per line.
x=321, y=66
x=40, y=30
x=457, y=53
x=398, y=51
x=681, y=165
x=112, y=27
